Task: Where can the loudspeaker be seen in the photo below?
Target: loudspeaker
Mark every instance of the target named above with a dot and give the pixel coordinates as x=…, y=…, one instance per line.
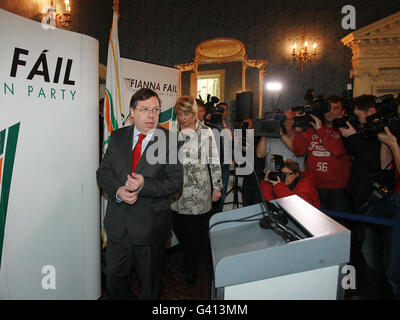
x=244, y=105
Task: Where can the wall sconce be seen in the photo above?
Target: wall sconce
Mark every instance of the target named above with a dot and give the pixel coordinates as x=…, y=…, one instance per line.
x=303, y=54
x=55, y=19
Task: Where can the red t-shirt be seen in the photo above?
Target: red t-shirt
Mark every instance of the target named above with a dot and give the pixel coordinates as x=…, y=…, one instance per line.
x=326, y=156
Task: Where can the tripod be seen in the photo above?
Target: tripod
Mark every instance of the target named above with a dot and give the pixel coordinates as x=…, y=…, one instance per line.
x=235, y=189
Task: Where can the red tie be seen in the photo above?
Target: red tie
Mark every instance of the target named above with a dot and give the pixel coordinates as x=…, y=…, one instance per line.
x=137, y=152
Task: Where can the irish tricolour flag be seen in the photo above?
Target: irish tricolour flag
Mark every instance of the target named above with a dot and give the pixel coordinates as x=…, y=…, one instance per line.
x=113, y=115
x=8, y=147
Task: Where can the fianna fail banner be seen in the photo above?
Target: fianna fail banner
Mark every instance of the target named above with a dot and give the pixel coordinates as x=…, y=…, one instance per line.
x=163, y=80
x=49, y=200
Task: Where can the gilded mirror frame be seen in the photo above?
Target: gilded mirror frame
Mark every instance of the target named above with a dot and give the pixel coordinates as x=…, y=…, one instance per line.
x=221, y=50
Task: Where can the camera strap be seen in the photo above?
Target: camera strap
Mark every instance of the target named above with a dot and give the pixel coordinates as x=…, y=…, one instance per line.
x=383, y=171
x=387, y=167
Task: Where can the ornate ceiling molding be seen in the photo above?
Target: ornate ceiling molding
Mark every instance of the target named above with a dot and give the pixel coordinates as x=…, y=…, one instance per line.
x=386, y=28
x=376, y=55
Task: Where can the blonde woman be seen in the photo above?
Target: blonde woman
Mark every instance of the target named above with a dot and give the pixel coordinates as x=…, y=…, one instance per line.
x=199, y=156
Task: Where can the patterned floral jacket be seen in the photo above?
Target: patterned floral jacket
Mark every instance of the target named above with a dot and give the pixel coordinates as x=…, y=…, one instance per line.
x=198, y=153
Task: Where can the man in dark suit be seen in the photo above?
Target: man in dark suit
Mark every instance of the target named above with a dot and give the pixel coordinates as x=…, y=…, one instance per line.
x=138, y=219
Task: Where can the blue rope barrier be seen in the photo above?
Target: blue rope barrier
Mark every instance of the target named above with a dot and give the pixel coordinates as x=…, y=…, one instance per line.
x=361, y=217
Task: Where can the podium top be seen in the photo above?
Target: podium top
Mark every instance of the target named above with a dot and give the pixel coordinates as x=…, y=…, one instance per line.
x=244, y=252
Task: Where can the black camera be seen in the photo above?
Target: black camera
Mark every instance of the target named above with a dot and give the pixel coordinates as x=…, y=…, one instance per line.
x=216, y=112
x=302, y=121
x=317, y=107
x=273, y=176
x=279, y=164
x=215, y=119
x=379, y=192
x=341, y=122
x=377, y=122
x=385, y=117
x=270, y=126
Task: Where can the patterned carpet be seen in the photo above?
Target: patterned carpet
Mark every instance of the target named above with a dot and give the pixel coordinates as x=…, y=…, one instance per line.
x=174, y=283
x=175, y=286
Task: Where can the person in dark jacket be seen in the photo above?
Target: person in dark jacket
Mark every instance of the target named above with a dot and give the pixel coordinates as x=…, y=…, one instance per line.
x=371, y=169
x=296, y=182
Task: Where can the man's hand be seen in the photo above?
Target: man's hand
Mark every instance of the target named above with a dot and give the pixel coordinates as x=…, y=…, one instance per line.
x=347, y=132
x=127, y=196
x=317, y=124
x=387, y=137
x=216, y=195
x=135, y=182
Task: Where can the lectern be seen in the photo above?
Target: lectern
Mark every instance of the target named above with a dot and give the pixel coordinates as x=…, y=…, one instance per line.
x=251, y=263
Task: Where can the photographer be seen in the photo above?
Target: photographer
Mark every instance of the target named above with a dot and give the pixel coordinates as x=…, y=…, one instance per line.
x=326, y=156
x=290, y=181
x=372, y=180
x=283, y=145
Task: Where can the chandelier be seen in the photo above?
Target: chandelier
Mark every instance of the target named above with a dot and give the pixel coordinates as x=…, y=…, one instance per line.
x=303, y=54
x=54, y=19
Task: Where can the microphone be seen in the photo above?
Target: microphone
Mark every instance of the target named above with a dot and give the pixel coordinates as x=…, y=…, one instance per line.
x=274, y=212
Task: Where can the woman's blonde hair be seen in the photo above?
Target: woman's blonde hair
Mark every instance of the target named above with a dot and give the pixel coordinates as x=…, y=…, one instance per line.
x=186, y=104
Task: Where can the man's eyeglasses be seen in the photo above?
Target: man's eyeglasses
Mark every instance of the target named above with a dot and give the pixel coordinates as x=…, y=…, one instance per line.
x=148, y=110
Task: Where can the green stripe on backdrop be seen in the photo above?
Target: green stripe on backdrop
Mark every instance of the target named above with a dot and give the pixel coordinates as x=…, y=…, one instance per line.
x=2, y=139
x=166, y=115
x=9, y=157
